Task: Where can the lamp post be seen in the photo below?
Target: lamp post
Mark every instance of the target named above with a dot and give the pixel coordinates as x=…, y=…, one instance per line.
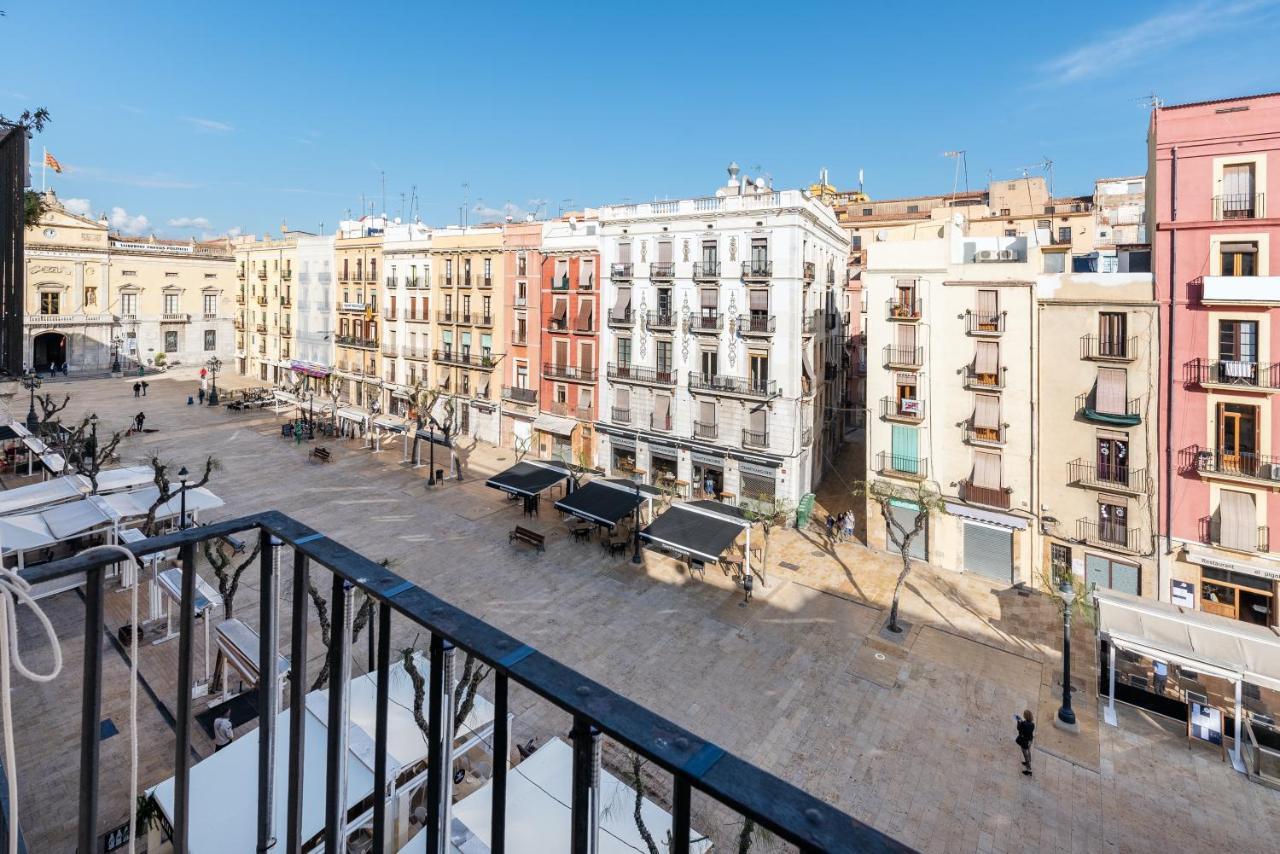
x=635, y=534
x=214, y=365
x=93, y=441
x=1068, y=596
x=116, y=343
x=182, y=497
x=31, y=381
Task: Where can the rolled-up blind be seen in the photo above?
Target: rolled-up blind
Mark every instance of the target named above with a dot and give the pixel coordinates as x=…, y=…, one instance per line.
x=906, y=336
x=759, y=300
x=661, y=407
x=622, y=304
x=986, y=469
x=664, y=251
x=987, y=357
x=560, y=310
x=584, y=314
x=710, y=298
x=759, y=420
x=624, y=253
x=988, y=304
x=1112, y=387
x=1237, y=520
x=986, y=411
x=622, y=398
x=707, y=412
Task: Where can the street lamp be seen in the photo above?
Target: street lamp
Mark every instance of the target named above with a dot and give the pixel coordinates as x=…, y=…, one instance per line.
x=116, y=343
x=31, y=381
x=214, y=365
x=182, y=479
x=635, y=553
x=93, y=440
x=1067, y=594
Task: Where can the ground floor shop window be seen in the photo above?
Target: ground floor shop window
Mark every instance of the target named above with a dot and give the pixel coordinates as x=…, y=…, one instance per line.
x=1060, y=560
x=663, y=470
x=988, y=551
x=624, y=462
x=1102, y=571
x=708, y=480
x=755, y=487
x=1237, y=595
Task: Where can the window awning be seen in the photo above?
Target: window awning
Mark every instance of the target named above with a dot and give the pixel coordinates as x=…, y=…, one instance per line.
x=556, y=424
x=606, y=501
x=7, y=433
x=529, y=478
x=703, y=529
x=1162, y=630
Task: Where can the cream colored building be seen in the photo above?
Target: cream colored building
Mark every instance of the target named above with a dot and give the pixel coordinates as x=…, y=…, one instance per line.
x=91, y=294
x=470, y=327
x=406, y=314
x=266, y=316
x=358, y=262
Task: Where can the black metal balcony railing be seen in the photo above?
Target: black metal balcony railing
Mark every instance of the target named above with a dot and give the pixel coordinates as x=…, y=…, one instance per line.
x=903, y=465
x=486, y=281
x=1233, y=373
x=620, y=415
x=982, y=323
x=974, y=435
x=464, y=360
x=620, y=270
x=620, y=318
x=907, y=409
x=904, y=309
x=1109, y=534
x=355, y=341
x=481, y=319
x=903, y=357
x=703, y=430
x=568, y=372
x=1109, y=349
x=1211, y=535
x=695, y=764
x=1262, y=467
x=1108, y=476
x=634, y=373
x=755, y=438
x=994, y=381
x=661, y=423
x=716, y=383
x=757, y=323
x=1087, y=406
x=998, y=497
x=757, y=269
x=812, y=323
x=662, y=270
x=1240, y=206
x=707, y=321
x=447, y=316
x=706, y=271
x=520, y=395
x=662, y=320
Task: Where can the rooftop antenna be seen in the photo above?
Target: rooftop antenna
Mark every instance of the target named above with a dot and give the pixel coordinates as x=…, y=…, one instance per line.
x=383, y=174
x=1045, y=165
x=402, y=205
x=1151, y=100
x=466, y=200
x=961, y=161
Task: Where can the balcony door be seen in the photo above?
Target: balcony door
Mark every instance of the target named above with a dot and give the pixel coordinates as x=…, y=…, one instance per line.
x=1239, y=259
x=1113, y=459
x=1238, y=352
x=1238, y=438
x=1113, y=522
x=1237, y=191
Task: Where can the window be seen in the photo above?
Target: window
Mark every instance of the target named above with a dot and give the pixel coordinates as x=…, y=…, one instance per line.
x=488, y=270
x=1103, y=572
x=1113, y=520
x=129, y=305
x=710, y=363
x=1113, y=458
x=1237, y=191
x=1111, y=395
x=1011, y=232
x=466, y=271
x=988, y=310
x=171, y=342
x=986, y=417
x=664, y=358
x=210, y=340
x=1055, y=262
x=50, y=302
x=1112, y=334
x=621, y=310
x=90, y=296
x=759, y=370
x=913, y=209
x=210, y=305
x=448, y=272
x=522, y=264
x=855, y=242
x=1064, y=234
x=1044, y=225
x=522, y=375
x=867, y=211
x=170, y=303
x=710, y=255
x=1238, y=350
x=561, y=394
x=624, y=352
x=1060, y=560
x=987, y=470
x=1238, y=440
x=1084, y=263
x=1239, y=259
x=171, y=275
x=1004, y=212
x=759, y=253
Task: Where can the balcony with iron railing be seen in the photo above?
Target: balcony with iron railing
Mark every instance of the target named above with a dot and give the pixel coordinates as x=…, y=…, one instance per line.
x=1109, y=535
x=704, y=430
x=983, y=324
x=480, y=320
x=1113, y=477
x=239, y=324
x=517, y=394
x=447, y=316
x=422, y=354
x=757, y=323
x=465, y=359
x=390, y=349
x=660, y=423
x=620, y=415
x=997, y=497
x=636, y=374
x=708, y=322
x=240, y=274
x=971, y=434
x=904, y=309
x=262, y=300
x=903, y=357
x=355, y=341
x=755, y=438
x=286, y=300
x=240, y=298
x=743, y=386
x=586, y=282
x=1087, y=407
x=757, y=270
x=619, y=318
x=663, y=319
x=662, y=270
x=287, y=274
x=620, y=271
x=1232, y=375
x=262, y=274
x=260, y=328
x=906, y=410
x=1098, y=349
x=1240, y=206
x=1211, y=534
x=1237, y=466
x=984, y=380
x=485, y=281
x=906, y=466
x=704, y=271
x=286, y=331
x=573, y=373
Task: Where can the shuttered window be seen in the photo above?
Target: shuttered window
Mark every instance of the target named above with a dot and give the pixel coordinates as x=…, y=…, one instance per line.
x=906, y=338
x=707, y=412
x=1112, y=575
x=753, y=486
x=559, y=310
x=986, y=469
x=759, y=300
x=586, y=356
x=1237, y=180
x=759, y=420
x=1237, y=520
x=562, y=353
x=988, y=551
x=1111, y=391
x=710, y=298
x=623, y=304
x=584, y=315
x=988, y=305
x=904, y=449
x=661, y=409
x=986, y=411
x=624, y=253
x=622, y=398
x=987, y=357
x=664, y=251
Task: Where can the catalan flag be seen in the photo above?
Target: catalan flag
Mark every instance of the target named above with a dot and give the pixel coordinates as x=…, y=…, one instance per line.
x=52, y=162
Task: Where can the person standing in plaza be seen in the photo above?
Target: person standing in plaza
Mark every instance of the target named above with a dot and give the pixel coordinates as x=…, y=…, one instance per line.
x=200, y=395
x=137, y=389
x=223, y=731
x=138, y=421
x=1026, y=735
x=144, y=388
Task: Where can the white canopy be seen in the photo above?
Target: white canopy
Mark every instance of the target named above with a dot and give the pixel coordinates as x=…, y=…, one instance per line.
x=539, y=791
x=34, y=495
x=137, y=502
x=53, y=462
x=1202, y=641
x=117, y=480
x=353, y=415
x=24, y=533
x=68, y=520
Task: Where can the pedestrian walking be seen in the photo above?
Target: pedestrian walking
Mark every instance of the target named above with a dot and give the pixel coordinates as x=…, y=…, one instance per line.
x=64, y=369
x=137, y=389
x=138, y=421
x=203, y=373
x=53, y=369
x=297, y=432
x=223, y=731
x=848, y=526
x=748, y=580
x=1026, y=735
x=831, y=527
x=200, y=394
x=144, y=388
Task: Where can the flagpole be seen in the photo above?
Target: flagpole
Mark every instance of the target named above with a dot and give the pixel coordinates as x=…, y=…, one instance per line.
x=44, y=164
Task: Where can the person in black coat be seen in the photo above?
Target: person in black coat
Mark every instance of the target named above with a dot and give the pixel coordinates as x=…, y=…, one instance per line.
x=1026, y=735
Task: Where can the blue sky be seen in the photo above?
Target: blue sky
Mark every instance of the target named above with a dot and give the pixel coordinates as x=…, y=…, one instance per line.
x=198, y=125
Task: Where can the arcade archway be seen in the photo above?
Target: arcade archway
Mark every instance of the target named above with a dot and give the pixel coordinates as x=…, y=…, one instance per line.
x=49, y=348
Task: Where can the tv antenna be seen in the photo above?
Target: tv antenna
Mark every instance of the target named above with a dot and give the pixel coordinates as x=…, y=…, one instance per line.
x=1045, y=165
x=961, y=162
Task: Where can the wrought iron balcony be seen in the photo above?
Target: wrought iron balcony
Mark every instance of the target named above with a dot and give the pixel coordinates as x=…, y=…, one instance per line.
x=706, y=271
x=1087, y=407
x=482, y=319
x=240, y=274
x=464, y=359
x=635, y=374
x=1211, y=535
x=389, y=349
x=260, y=328
x=1238, y=375
x=1111, y=476
x=262, y=299
x=1104, y=534
x=620, y=271
x=622, y=318
x=755, y=438
x=262, y=274
x=984, y=381
x=707, y=321
x=903, y=357
x=745, y=386
x=447, y=316
x=973, y=435
x=983, y=324
x=1240, y=206
x=486, y=281
x=286, y=300
x=703, y=430
x=757, y=270
x=663, y=320
x=1098, y=349
x=286, y=332
x=662, y=270
x=757, y=323
x=355, y=341
x=240, y=298
x=1236, y=466
x=620, y=416
x=998, y=497
x=902, y=465
x=907, y=410
x=286, y=274
x=904, y=309
x=568, y=372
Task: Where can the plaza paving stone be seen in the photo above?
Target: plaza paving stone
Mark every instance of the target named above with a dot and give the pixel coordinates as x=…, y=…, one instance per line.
x=912, y=735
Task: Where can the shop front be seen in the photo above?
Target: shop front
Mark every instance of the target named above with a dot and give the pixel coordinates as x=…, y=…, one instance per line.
x=1243, y=590
x=622, y=456
x=664, y=465
x=708, y=475
x=757, y=484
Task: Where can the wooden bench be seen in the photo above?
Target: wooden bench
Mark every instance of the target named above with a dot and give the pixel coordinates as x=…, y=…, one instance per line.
x=524, y=535
x=321, y=454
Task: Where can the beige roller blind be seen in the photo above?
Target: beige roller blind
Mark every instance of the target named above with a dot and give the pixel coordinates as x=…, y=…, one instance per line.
x=707, y=412
x=758, y=419
x=622, y=398
x=661, y=408
x=986, y=469
x=624, y=253
x=710, y=298
x=986, y=411
x=622, y=304
x=759, y=300
x=988, y=303
x=1237, y=520
x=1112, y=387
x=987, y=357
x=664, y=251
x=906, y=336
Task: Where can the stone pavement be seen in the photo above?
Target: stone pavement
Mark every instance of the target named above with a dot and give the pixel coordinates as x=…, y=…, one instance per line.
x=912, y=734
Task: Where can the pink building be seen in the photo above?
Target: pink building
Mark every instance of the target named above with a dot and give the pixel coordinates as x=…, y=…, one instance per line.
x=1214, y=189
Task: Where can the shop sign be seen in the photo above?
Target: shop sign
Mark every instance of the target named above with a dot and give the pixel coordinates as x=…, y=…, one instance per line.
x=757, y=470
x=1196, y=556
x=619, y=442
x=1205, y=723
x=706, y=459
x=1182, y=593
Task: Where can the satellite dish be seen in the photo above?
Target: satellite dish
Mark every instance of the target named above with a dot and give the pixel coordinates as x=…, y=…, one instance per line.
x=509, y=218
x=882, y=234
x=759, y=183
x=528, y=218
x=573, y=222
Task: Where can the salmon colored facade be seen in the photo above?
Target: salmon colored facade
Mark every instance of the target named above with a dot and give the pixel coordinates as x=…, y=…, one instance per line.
x=1214, y=191
x=523, y=266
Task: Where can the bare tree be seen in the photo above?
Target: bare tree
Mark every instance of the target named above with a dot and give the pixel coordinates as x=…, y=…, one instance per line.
x=363, y=613
x=49, y=408
x=464, y=693
x=770, y=513
x=228, y=586
x=160, y=477
x=85, y=453
x=637, y=783
x=887, y=495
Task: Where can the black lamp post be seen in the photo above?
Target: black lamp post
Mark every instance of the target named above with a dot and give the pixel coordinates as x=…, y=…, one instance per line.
x=1068, y=595
x=31, y=381
x=116, y=343
x=93, y=440
x=214, y=365
x=635, y=553
x=431, y=450
x=182, y=479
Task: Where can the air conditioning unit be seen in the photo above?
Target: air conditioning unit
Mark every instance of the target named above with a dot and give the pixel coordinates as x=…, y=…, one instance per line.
x=1008, y=255
x=1271, y=471
x=985, y=255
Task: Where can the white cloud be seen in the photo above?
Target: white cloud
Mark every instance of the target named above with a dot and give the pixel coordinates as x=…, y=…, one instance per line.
x=1119, y=49
x=516, y=212
x=233, y=232
x=123, y=221
x=190, y=222
x=79, y=207
x=208, y=124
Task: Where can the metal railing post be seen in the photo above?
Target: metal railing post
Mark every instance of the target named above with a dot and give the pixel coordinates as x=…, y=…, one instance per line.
x=90, y=711
x=182, y=741
x=380, y=728
x=585, y=831
x=297, y=700
x=680, y=803
x=440, y=743
x=501, y=753
x=268, y=687
x=335, y=808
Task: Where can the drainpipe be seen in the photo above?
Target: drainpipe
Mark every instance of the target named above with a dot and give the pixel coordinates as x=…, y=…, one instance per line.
x=1168, y=380
x=1037, y=533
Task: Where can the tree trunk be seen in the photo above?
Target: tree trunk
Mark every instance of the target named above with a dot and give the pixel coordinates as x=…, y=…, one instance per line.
x=747, y=836
x=637, y=783
x=897, y=588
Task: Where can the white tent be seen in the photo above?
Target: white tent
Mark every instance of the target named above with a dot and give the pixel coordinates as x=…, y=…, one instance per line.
x=137, y=502
x=24, y=533
x=121, y=479
x=37, y=495
x=539, y=792
x=76, y=517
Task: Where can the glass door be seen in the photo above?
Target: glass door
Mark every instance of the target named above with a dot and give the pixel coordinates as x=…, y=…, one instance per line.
x=1237, y=438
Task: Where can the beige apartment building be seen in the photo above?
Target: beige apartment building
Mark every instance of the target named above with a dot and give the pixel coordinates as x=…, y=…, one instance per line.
x=1019, y=392
x=467, y=294
x=91, y=295
x=266, y=316
x=406, y=314
x=357, y=251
